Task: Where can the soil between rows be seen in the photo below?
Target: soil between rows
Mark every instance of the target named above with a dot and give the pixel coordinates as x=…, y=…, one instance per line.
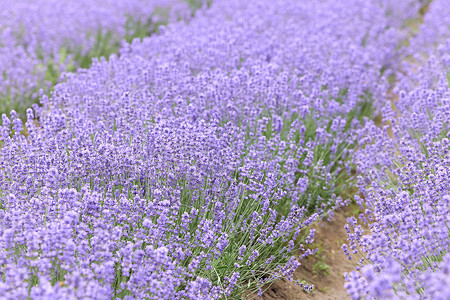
x=329, y=284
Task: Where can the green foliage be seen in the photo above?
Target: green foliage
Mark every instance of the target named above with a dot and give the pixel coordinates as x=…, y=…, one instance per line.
x=321, y=267
x=197, y=4
x=429, y=261
x=223, y=266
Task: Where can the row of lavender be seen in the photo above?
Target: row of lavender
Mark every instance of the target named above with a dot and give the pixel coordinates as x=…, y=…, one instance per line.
x=407, y=166
x=39, y=40
x=191, y=166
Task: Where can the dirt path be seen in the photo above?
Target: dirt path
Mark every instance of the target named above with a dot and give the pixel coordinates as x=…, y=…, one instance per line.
x=325, y=269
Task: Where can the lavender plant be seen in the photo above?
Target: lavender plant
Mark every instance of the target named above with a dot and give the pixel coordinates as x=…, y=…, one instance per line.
x=261, y=97
x=406, y=164
x=191, y=164
x=41, y=40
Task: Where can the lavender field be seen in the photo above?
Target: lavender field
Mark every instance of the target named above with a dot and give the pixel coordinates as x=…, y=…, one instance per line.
x=174, y=149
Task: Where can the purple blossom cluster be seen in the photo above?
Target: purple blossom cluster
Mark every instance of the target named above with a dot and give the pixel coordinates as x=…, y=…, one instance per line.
x=290, y=105
x=404, y=176
x=41, y=39
x=427, y=57
x=191, y=164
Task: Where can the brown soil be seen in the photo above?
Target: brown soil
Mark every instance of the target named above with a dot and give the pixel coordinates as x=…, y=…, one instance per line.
x=329, y=285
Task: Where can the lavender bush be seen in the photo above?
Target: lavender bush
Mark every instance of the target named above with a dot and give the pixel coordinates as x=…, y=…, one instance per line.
x=42, y=39
x=406, y=164
x=191, y=164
